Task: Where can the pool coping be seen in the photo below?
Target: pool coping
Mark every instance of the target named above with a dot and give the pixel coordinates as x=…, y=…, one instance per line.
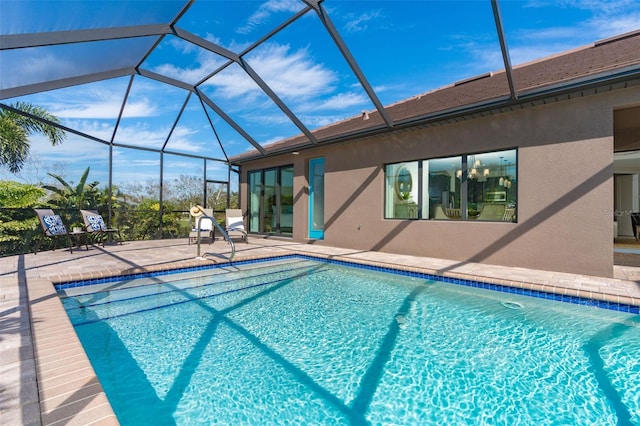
x=452, y=277
x=69, y=390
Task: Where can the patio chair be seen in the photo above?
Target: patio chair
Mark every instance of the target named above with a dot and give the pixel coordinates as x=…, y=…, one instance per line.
x=52, y=227
x=95, y=226
x=235, y=224
x=207, y=231
x=635, y=224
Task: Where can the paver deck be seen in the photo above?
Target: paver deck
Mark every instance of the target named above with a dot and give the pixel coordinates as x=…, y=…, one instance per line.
x=46, y=378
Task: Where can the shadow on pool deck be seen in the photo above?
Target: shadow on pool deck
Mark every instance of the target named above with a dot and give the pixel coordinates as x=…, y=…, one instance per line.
x=31, y=330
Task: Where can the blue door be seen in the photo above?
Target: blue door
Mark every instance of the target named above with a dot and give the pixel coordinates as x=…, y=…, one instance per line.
x=316, y=198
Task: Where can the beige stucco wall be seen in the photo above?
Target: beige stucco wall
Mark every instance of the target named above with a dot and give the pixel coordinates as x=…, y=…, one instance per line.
x=565, y=181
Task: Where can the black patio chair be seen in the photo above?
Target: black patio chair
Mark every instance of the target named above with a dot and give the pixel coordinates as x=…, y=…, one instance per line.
x=635, y=223
x=52, y=227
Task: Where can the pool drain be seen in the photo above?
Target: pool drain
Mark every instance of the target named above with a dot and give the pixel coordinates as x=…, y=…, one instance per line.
x=511, y=305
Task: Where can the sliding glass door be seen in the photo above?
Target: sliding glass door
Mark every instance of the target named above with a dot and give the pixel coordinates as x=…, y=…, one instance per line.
x=271, y=201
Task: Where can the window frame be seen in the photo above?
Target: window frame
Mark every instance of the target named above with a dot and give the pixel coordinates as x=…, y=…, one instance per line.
x=262, y=214
x=465, y=176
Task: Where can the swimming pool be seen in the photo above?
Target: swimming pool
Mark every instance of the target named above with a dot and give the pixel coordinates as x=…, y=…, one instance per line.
x=301, y=341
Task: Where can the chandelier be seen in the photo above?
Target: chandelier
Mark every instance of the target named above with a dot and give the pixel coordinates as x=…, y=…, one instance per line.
x=504, y=180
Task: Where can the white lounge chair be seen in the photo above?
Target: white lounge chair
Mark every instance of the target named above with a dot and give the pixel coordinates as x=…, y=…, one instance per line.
x=207, y=231
x=234, y=224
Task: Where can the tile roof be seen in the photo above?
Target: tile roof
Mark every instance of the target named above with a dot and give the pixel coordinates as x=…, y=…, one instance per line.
x=548, y=76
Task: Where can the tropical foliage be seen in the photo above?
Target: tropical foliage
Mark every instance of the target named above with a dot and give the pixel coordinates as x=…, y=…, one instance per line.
x=17, y=223
x=135, y=208
x=72, y=198
x=15, y=130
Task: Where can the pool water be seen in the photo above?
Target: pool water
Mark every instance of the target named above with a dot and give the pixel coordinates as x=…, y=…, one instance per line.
x=298, y=341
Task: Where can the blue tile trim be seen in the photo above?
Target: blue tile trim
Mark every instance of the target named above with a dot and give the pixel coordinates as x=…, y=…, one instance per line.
x=459, y=281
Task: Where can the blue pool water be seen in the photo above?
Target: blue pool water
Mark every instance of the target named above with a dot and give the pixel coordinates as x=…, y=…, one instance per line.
x=297, y=341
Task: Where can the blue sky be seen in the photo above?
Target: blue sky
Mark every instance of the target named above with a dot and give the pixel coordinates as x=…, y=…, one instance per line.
x=404, y=48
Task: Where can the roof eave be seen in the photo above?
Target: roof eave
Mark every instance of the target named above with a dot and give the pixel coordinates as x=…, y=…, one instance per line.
x=545, y=94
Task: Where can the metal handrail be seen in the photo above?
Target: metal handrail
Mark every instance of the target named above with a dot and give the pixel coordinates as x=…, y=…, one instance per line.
x=222, y=231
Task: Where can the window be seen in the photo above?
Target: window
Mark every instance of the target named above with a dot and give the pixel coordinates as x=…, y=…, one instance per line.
x=443, y=180
x=491, y=186
x=481, y=187
x=401, y=191
x=271, y=201
x=255, y=197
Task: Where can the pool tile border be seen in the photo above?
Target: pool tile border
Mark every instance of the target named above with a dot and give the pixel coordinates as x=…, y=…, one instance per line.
x=542, y=291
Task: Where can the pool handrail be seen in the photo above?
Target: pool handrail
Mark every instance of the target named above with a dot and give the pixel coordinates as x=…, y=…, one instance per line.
x=217, y=225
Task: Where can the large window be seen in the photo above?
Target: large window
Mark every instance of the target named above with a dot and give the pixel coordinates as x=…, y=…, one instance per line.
x=271, y=201
x=479, y=186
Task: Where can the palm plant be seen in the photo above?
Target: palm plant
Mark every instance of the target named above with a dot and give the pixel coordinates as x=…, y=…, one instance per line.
x=15, y=130
x=73, y=198
x=83, y=195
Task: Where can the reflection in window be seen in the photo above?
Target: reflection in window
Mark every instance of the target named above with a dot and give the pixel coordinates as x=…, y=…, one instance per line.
x=488, y=179
x=442, y=179
x=491, y=186
x=286, y=201
x=271, y=201
x=401, y=199
x=255, y=186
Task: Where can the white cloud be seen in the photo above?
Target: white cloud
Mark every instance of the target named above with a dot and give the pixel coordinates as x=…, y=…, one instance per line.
x=608, y=18
x=360, y=23
x=182, y=46
x=74, y=149
x=184, y=139
x=191, y=63
x=526, y=44
x=34, y=68
x=139, y=162
x=609, y=26
x=203, y=64
x=341, y=101
x=264, y=12
x=291, y=75
x=99, y=100
x=107, y=109
x=234, y=82
x=315, y=121
x=142, y=134
x=96, y=128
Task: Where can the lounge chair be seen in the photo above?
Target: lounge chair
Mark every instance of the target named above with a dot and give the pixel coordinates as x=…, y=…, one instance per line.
x=95, y=226
x=207, y=231
x=52, y=227
x=235, y=224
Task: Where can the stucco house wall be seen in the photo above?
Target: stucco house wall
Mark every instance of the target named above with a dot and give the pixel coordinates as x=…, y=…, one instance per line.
x=565, y=181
